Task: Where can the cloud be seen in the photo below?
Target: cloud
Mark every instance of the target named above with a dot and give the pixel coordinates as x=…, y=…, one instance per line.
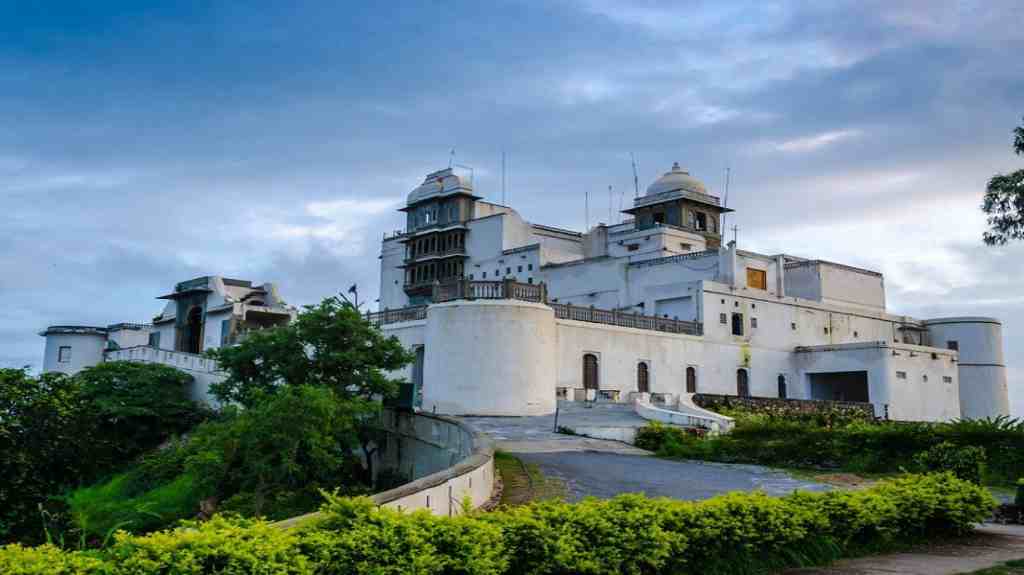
x=813, y=143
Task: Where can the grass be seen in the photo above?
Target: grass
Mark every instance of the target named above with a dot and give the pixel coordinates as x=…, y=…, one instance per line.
x=524, y=482
x=101, y=509
x=1015, y=567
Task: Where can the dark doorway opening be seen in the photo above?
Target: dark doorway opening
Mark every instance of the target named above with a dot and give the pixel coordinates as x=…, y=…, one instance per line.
x=742, y=383
x=840, y=386
x=590, y=371
x=417, y=376
x=643, y=383
x=691, y=380
x=782, y=386
x=194, y=331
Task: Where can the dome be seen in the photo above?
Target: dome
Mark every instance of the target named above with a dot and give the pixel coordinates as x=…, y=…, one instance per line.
x=440, y=183
x=674, y=180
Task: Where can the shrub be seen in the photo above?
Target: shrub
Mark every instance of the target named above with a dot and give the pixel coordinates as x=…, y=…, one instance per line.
x=738, y=532
x=967, y=463
x=1019, y=499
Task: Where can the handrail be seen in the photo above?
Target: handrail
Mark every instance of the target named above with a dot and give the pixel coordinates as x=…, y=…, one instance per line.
x=622, y=319
x=388, y=316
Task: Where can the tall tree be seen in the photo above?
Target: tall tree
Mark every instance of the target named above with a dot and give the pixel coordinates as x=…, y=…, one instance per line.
x=1004, y=201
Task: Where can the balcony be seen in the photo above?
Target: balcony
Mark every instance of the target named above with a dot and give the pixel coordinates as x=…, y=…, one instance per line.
x=437, y=254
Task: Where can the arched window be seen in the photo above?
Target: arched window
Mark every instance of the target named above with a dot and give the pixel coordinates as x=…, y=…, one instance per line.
x=691, y=379
x=194, y=333
x=590, y=371
x=737, y=324
x=643, y=383
x=782, y=386
x=742, y=383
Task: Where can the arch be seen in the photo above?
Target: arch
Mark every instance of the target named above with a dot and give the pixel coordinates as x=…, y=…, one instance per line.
x=737, y=324
x=742, y=383
x=782, y=386
x=590, y=372
x=194, y=330
x=643, y=377
x=691, y=379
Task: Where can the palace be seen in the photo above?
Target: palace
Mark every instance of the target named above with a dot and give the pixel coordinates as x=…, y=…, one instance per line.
x=507, y=316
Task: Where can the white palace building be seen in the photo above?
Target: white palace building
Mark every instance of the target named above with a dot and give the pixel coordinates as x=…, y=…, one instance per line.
x=506, y=317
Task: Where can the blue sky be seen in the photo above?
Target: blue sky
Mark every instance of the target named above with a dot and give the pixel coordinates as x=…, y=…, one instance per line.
x=143, y=145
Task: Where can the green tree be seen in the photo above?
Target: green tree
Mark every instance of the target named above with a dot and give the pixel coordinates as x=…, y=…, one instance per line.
x=328, y=345
x=1004, y=201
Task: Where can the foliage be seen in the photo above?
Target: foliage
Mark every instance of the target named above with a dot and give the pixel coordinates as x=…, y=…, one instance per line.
x=270, y=460
x=967, y=463
x=328, y=345
x=820, y=413
x=57, y=432
x=1019, y=498
x=877, y=447
x=1004, y=201
x=739, y=532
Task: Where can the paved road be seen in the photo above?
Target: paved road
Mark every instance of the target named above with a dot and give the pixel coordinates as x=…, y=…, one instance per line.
x=605, y=475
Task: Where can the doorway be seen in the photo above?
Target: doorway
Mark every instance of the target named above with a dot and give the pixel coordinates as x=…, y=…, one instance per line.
x=590, y=371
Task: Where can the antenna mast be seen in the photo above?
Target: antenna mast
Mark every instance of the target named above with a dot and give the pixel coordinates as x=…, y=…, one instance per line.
x=728, y=171
x=636, y=182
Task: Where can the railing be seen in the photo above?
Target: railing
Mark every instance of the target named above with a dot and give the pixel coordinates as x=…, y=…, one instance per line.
x=387, y=316
x=622, y=319
x=504, y=289
x=149, y=354
x=458, y=250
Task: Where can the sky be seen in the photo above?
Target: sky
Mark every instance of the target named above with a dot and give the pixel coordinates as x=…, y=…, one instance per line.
x=142, y=144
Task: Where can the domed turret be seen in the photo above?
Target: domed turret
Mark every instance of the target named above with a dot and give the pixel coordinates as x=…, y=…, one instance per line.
x=676, y=179
x=440, y=183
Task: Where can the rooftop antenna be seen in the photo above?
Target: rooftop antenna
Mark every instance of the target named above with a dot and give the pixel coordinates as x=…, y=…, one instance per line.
x=735, y=234
x=636, y=181
x=728, y=171
x=451, y=158
x=610, y=206
x=622, y=196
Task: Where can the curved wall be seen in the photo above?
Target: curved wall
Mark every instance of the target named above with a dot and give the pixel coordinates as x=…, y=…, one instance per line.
x=982, y=369
x=490, y=357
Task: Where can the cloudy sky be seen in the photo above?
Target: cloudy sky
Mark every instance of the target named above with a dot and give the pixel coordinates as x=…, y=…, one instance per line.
x=140, y=146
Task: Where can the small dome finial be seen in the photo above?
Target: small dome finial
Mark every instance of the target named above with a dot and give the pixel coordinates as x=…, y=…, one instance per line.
x=675, y=167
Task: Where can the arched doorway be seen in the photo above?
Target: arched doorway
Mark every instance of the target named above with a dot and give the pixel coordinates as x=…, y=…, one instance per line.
x=590, y=380
x=643, y=382
x=691, y=380
x=742, y=383
x=194, y=331
x=782, y=386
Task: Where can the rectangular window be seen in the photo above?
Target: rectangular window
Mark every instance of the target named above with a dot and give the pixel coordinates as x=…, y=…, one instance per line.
x=753, y=322
x=64, y=354
x=225, y=332
x=470, y=276
x=519, y=269
x=757, y=279
x=633, y=247
x=953, y=345
x=529, y=280
x=485, y=275
x=723, y=319
x=792, y=326
x=737, y=324
x=529, y=267
x=497, y=274
x=901, y=375
x=154, y=338
x=947, y=379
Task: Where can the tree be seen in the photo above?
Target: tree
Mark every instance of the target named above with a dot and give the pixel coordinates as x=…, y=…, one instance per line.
x=1004, y=201
x=328, y=345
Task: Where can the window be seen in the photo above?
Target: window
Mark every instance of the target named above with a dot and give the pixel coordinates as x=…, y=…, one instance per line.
x=508, y=271
x=497, y=273
x=154, y=338
x=691, y=379
x=826, y=331
x=782, y=386
x=64, y=354
x=742, y=383
x=484, y=276
x=753, y=323
x=519, y=269
x=953, y=345
x=792, y=326
x=757, y=279
x=855, y=334
x=700, y=222
x=529, y=267
x=633, y=247
x=686, y=247
x=529, y=280
x=924, y=378
x=723, y=319
x=643, y=383
x=737, y=324
x=470, y=276
x=901, y=375
x=947, y=379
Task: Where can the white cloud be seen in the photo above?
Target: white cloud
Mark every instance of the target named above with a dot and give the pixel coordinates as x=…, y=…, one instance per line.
x=812, y=143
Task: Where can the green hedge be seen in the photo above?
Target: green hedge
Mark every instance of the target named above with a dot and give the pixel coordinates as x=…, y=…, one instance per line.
x=735, y=533
x=858, y=447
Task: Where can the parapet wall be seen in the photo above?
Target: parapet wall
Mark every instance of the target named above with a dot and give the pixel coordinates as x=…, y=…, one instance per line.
x=451, y=463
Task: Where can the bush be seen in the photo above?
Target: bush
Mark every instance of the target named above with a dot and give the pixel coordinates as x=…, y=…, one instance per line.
x=271, y=460
x=1019, y=499
x=967, y=463
x=739, y=532
x=878, y=447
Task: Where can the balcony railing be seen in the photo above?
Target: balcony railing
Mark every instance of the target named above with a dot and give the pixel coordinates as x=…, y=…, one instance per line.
x=455, y=251
x=504, y=289
x=623, y=319
x=388, y=316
